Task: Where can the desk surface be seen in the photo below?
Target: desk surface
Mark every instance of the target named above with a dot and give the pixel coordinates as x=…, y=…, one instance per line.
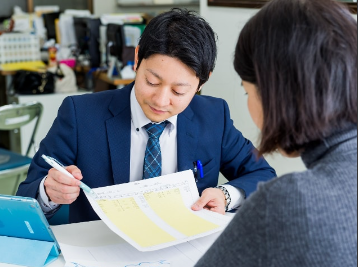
x=85, y=234
x=83, y=69
x=7, y=72
x=103, y=76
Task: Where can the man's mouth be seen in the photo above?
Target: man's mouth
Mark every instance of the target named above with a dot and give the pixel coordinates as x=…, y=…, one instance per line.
x=157, y=111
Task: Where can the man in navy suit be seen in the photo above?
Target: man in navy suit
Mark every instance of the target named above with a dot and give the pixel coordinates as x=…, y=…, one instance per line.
x=102, y=137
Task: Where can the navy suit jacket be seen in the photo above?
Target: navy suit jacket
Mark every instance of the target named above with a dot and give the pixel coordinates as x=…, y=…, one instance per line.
x=92, y=131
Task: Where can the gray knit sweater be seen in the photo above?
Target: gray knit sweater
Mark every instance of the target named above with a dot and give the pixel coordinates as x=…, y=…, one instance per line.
x=306, y=219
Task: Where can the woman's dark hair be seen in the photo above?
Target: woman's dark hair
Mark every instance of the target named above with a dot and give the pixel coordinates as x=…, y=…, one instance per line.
x=302, y=57
x=181, y=34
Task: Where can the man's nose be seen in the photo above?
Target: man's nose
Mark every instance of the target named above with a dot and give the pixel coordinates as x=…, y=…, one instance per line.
x=162, y=97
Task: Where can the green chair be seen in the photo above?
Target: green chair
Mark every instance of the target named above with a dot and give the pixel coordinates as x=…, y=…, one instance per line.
x=14, y=166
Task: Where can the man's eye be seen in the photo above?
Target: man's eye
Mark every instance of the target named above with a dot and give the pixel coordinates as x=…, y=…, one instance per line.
x=150, y=84
x=177, y=93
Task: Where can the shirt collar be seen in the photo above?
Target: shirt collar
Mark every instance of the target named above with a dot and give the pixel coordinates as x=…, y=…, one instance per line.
x=138, y=117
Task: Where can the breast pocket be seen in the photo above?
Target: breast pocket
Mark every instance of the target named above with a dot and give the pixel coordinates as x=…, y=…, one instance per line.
x=209, y=167
x=211, y=175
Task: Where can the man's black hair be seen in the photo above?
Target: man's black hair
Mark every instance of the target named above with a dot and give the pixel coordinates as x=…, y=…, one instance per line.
x=184, y=35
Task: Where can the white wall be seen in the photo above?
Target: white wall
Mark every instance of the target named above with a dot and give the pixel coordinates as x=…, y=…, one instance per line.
x=225, y=83
x=110, y=6
x=104, y=6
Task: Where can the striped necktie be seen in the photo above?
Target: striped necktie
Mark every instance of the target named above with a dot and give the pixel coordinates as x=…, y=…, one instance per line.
x=152, y=166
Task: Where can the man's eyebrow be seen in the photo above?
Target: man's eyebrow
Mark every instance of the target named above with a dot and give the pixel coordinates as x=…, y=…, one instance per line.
x=160, y=78
x=182, y=84
x=155, y=74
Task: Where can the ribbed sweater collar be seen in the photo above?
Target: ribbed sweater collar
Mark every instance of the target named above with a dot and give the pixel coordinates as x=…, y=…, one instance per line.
x=322, y=149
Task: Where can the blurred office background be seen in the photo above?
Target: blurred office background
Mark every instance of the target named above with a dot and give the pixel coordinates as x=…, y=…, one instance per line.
x=77, y=31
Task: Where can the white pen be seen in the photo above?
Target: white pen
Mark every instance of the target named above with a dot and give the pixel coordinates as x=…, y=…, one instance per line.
x=58, y=166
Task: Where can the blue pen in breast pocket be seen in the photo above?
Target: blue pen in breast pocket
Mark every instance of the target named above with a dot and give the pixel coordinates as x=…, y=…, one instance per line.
x=198, y=170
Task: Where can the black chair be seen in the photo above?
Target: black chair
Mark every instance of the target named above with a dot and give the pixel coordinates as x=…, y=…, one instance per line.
x=93, y=42
x=49, y=21
x=82, y=34
x=115, y=40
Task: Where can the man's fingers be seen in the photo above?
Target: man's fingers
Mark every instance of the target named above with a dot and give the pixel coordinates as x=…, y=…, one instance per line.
x=61, y=188
x=211, y=199
x=63, y=198
x=202, y=202
x=61, y=178
x=75, y=171
x=61, y=194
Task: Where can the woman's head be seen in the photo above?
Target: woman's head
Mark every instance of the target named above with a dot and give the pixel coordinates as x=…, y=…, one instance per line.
x=301, y=57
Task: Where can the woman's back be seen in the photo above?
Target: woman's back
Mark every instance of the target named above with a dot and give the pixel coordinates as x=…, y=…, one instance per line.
x=311, y=217
x=300, y=219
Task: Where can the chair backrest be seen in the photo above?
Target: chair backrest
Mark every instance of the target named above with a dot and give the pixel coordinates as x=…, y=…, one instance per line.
x=11, y=179
x=14, y=116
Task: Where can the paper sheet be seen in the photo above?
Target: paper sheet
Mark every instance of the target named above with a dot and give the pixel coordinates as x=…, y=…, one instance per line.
x=156, y=213
x=124, y=255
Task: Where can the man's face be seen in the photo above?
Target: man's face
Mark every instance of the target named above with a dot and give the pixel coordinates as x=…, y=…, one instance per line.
x=164, y=86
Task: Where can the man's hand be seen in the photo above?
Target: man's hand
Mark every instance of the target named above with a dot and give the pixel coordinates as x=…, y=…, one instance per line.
x=211, y=199
x=62, y=189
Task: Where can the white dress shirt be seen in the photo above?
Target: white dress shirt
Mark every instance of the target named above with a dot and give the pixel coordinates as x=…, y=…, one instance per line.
x=139, y=139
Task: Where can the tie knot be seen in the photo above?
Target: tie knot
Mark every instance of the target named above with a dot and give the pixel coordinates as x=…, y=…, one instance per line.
x=155, y=130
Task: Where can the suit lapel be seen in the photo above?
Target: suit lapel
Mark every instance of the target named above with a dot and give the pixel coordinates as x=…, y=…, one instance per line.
x=119, y=135
x=187, y=139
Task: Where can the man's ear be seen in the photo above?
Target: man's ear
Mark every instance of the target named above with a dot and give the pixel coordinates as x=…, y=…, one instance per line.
x=136, y=58
x=201, y=87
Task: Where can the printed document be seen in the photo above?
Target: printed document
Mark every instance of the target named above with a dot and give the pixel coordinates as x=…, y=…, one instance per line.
x=156, y=213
